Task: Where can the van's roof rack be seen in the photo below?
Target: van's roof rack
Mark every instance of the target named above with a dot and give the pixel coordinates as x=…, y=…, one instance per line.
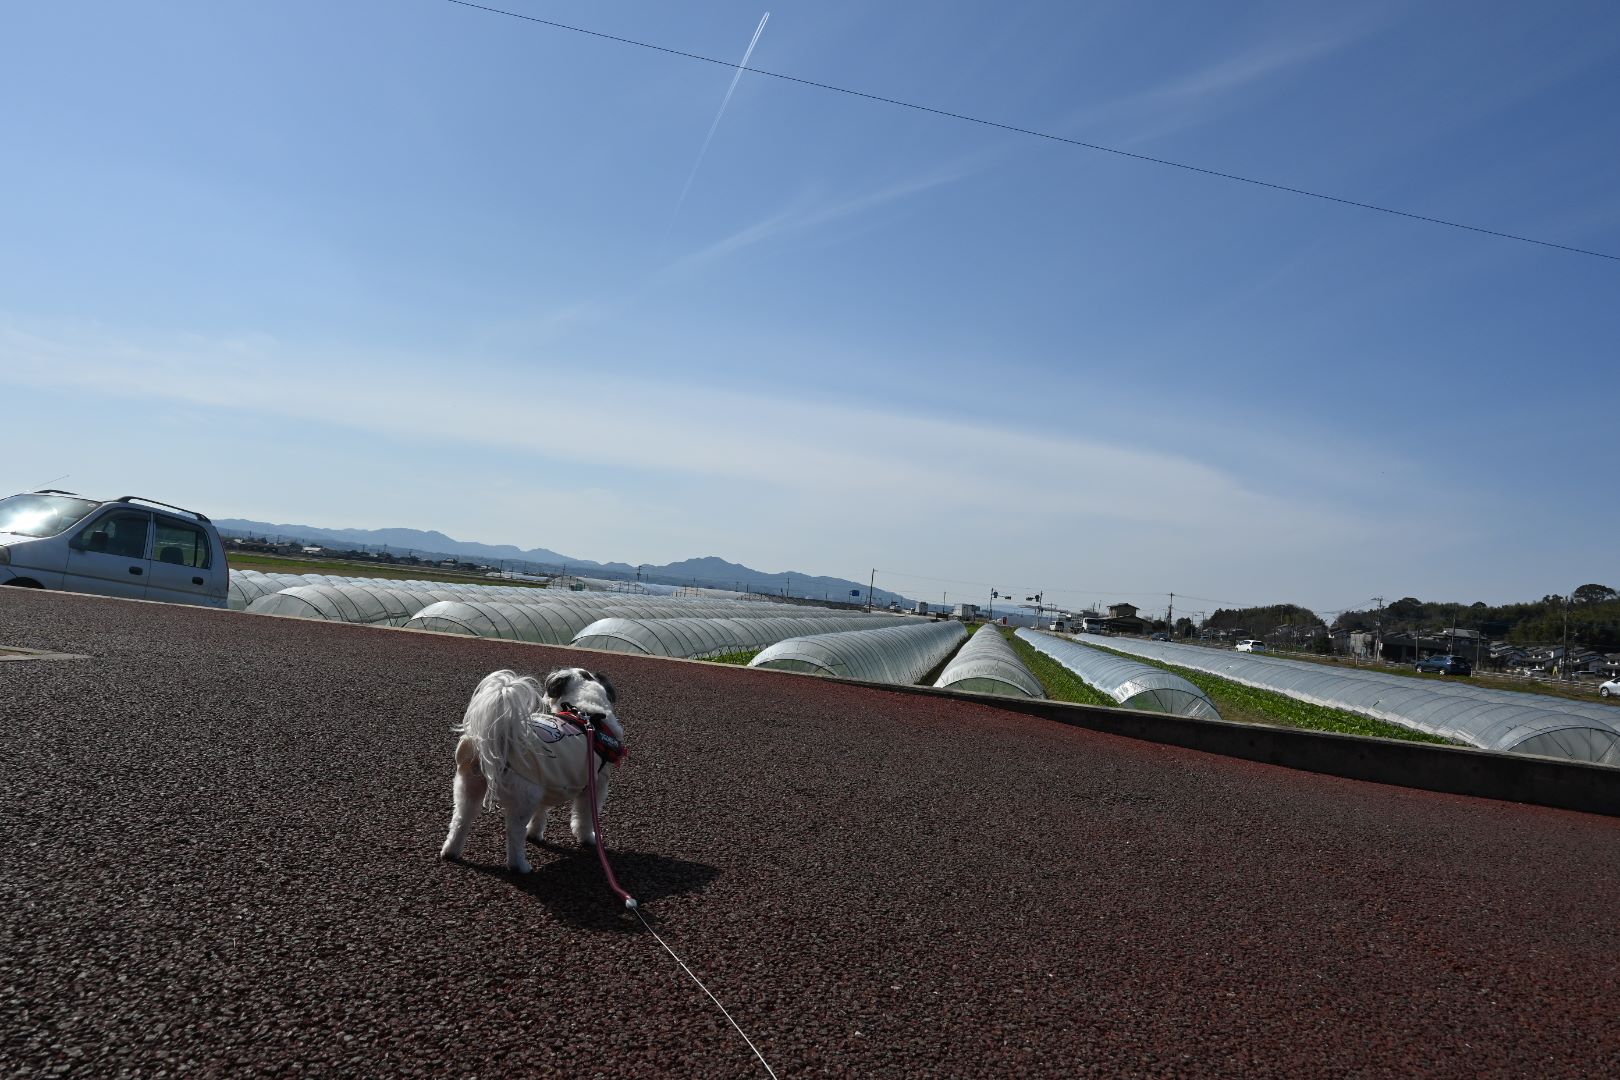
x=154, y=502
x=56, y=491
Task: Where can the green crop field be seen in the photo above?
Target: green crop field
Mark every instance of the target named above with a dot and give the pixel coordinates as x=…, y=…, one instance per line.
x=740, y=659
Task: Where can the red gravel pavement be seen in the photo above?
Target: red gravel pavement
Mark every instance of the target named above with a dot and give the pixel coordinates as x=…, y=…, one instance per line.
x=221, y=834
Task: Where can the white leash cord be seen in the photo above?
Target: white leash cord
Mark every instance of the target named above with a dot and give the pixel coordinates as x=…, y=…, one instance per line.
x=705, y=989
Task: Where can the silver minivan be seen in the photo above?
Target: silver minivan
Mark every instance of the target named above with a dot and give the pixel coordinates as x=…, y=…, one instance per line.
x=131, y=547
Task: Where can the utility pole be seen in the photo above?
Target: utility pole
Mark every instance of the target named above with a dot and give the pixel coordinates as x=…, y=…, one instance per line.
x=1170, y=615
x=869, y=585
x=1563, y=664
x=1378, y=630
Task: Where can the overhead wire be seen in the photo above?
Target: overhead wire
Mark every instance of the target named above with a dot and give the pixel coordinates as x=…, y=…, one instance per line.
x=1036, y=133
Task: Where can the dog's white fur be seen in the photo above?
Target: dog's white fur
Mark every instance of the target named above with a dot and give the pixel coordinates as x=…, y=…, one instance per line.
x=512, y=755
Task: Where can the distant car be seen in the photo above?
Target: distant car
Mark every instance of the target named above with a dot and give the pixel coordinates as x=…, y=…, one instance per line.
x=1160, y=636
x=1445, y=665
x=1251, y=645
x=130, y=547
x=1610, y=688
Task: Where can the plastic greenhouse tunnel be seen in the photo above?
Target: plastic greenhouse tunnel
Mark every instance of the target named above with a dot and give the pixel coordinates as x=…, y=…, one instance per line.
x=988, y=665
x=899, y=655
x=1131, y=683
x=1473, y=715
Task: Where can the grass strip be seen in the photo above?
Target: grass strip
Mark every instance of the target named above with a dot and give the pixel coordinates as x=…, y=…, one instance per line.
x=1061, y=683
x=1251, y=705
x=740, y=659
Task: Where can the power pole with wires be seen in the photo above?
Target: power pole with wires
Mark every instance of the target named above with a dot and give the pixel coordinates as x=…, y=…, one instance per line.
x=1563, y=664
x=1378, y=630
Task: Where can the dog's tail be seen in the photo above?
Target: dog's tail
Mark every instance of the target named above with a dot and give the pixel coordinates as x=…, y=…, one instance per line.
x=496, y=719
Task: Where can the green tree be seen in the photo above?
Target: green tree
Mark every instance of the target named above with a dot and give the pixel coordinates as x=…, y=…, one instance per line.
x=1406, y=609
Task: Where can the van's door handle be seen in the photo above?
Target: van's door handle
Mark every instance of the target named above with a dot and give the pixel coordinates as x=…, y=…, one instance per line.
x=135, y=570
x=196, y=581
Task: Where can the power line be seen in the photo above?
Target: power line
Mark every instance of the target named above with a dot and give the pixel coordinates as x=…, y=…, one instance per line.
x=1054, y=588
x=1040, y=134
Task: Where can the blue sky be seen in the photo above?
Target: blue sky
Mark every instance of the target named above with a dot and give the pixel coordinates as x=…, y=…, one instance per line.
x=410, y=264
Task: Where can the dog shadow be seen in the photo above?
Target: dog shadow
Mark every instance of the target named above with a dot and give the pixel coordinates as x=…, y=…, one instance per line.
x=572, y=887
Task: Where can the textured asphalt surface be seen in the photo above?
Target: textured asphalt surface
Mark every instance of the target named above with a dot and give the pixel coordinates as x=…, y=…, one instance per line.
x=221, y=835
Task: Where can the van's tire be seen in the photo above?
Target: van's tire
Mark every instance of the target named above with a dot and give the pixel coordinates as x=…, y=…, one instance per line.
x=25, y=583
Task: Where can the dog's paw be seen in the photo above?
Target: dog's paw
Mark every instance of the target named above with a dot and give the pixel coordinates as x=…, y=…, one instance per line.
x=521, y=868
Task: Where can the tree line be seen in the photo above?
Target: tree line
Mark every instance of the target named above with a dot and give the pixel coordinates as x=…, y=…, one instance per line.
x=1592, y=611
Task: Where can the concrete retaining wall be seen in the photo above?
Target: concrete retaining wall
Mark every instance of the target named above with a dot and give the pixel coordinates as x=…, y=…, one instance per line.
x=1457, y=770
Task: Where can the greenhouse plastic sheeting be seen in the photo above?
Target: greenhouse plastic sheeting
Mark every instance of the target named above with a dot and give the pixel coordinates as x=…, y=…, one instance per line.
x=1133, y=684
x=249, y=587
x=547, y=624
x=988, y=665
x=1476, y=716
x=558, y=623
x=367, y=604
x=893, y=654
x=695, y=638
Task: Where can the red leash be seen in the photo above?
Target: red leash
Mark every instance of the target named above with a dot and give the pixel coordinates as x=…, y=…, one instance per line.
x=596, y=822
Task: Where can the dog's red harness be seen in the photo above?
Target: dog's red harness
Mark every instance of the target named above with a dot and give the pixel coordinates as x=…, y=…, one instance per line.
x=607, y=748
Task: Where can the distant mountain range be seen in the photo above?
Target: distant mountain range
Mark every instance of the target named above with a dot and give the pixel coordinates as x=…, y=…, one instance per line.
x=710, y=570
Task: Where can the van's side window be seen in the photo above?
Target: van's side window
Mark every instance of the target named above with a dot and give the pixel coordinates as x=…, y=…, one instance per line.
x=120, y=533
x=181, y=544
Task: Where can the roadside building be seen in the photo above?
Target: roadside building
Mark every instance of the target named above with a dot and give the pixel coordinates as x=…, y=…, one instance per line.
x=1123, y=619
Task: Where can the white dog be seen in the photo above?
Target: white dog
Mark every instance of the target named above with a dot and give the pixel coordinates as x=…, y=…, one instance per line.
x=517, y=753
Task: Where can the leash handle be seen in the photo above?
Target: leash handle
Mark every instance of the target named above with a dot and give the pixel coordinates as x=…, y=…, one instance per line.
x=596, y=821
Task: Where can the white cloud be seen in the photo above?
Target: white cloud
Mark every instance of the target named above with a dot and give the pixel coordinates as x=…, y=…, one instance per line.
x=809, y=213
x=1181, y=100
x=776, y=483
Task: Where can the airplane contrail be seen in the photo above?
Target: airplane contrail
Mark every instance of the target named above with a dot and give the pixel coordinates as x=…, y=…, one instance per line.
x=758, y=30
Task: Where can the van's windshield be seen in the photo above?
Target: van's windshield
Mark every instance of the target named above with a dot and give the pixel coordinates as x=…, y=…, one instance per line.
x=42, y=515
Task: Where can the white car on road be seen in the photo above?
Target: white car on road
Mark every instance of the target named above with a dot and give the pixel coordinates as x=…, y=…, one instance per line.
x=1251, y=645
x=130, y=547
x=1610, y=689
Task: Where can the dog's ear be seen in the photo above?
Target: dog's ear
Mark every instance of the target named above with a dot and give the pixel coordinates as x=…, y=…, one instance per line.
x=557, y=682
x=607, y=685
